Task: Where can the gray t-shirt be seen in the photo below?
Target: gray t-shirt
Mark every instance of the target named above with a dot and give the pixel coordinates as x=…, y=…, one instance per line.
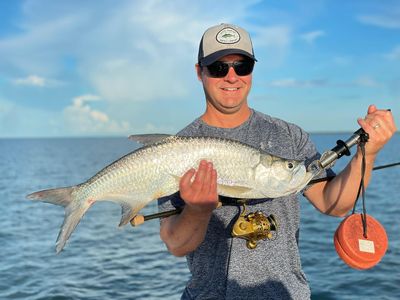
x=223, y=267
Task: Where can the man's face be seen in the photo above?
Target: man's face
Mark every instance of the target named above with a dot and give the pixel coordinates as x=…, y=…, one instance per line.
x=227, y=94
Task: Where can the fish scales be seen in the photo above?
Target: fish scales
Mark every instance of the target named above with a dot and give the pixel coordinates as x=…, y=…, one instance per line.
x=154, y=171
x=158, y=163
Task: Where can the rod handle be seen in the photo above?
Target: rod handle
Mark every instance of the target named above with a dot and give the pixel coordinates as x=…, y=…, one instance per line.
x=140, y=219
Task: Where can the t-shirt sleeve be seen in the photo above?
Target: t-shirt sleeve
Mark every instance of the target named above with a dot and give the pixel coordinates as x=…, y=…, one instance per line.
x=170, y=202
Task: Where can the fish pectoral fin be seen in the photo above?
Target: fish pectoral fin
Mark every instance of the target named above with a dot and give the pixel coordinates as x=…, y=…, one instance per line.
x=176, y=177
x=232, y=191
x=149, y=139
x=129, y=207
x=128, y=212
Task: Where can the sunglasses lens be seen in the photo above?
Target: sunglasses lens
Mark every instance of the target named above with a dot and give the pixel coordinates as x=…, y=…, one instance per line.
x=219, y=69
x=243, y=68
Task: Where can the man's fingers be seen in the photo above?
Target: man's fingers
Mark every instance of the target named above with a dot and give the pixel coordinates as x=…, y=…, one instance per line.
x=213, y=184
x=207, y=179
x=199, y=177
x=186, y=179
x=371, y=109
x=381, y=119
x=195, y=183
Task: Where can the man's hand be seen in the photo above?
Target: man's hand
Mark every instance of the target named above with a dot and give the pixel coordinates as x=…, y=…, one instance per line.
x=199, y=188
x=336, y=197
x=184, y=232
x=380, y=126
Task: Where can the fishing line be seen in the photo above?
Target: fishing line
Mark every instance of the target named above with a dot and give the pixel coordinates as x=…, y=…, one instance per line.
x=329, y=178
x=361, y=188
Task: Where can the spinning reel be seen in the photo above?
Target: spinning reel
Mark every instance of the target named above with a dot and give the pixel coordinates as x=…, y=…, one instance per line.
x=254, y=227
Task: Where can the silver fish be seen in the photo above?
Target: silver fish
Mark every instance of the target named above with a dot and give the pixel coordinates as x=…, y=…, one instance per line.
x=154, y=170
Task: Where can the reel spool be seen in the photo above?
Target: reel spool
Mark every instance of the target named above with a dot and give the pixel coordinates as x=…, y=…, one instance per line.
x=356, y=250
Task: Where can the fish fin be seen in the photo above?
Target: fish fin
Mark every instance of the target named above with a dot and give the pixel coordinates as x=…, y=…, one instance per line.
x=175, y=177
x=74, y=210
x=128, y=212
x=72, y=217
x=226, y=189
x=232, y=191
x=60, y=196
x=149, y=139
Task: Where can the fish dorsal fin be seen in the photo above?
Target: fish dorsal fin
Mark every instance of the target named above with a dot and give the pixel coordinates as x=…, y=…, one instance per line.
x=149, y=139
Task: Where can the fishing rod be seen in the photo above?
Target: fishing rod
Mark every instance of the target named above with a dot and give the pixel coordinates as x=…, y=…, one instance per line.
x=326, y=161
x=342, y=148
x=328, y=178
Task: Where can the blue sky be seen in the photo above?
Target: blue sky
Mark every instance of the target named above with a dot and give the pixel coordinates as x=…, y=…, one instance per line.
x=113, y=68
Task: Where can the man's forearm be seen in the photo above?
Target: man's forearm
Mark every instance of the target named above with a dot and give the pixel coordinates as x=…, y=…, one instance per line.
x=183, y=233
x=337, y=196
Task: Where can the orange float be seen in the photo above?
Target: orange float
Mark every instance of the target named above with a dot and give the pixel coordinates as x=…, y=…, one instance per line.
x=356, y=250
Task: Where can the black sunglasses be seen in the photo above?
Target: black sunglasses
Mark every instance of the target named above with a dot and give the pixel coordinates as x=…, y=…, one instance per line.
x=219, y=69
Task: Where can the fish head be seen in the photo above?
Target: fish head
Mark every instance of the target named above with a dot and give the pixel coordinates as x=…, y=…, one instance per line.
x=281, y=177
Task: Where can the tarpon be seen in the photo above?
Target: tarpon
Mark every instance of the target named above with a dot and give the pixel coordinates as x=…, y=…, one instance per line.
x=154, y=171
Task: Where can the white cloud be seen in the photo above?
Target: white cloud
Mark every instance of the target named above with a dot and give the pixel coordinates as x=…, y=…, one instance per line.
x=31, y=80
x=137, y=51
x=82, y=118
x=294, y=83
x=362, y=81
x=366, y=81
x=126, y=53
x=386, y=17
x=78, y=101
x=311, y=36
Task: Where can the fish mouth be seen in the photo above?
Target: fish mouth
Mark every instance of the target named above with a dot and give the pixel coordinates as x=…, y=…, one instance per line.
x=297, y=187
x=307, y=178
x=298, y=169
x=301, y=171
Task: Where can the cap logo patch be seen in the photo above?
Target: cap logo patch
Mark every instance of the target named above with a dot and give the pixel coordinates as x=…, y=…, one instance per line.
x=228, y=36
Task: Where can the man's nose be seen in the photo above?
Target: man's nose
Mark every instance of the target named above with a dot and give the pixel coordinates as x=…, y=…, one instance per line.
x=231, y=76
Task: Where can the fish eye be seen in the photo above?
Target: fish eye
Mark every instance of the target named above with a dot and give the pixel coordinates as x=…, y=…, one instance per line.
x=290, y=165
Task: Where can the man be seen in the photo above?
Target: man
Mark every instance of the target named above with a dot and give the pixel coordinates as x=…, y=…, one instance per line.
x=222, y=267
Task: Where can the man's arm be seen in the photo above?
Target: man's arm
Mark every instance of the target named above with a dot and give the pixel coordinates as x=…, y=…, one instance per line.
x=183, y=233
x=337, y=196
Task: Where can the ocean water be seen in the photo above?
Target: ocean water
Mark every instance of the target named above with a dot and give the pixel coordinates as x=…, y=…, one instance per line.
x=102, y=261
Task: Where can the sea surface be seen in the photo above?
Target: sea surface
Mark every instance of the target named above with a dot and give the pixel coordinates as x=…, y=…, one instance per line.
x=102, y=261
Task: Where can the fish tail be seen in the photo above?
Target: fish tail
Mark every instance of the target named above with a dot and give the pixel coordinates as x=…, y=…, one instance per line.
x=60, y=196
x=74, y=209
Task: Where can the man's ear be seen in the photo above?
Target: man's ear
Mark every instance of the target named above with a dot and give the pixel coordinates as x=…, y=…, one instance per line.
x=199, y=72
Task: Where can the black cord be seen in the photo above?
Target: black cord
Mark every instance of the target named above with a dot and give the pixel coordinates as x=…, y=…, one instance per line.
x=230, y=245
x=361, y=190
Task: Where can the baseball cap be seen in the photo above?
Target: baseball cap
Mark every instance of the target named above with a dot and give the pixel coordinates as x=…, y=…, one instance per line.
x=224, y=39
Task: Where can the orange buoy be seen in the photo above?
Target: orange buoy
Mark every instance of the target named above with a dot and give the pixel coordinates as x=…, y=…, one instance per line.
x=353, y=263
x=354, y=248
